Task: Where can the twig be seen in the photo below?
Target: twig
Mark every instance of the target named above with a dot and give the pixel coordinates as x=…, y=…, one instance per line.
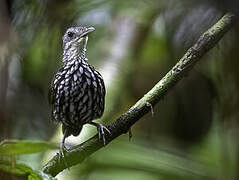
x=208, y=40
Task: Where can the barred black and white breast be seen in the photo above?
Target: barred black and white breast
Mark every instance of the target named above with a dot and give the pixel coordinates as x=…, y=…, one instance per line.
x=79, y=95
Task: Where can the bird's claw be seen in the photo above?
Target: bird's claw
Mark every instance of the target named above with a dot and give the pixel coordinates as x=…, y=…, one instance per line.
x=62, y=154
x=151, y=108
x=101, y=131
x=63, y=151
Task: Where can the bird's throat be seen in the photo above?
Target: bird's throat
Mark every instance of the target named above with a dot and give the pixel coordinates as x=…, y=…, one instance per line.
x=75, y=50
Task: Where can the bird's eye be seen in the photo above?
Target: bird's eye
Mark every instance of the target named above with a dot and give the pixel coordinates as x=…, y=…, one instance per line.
x=70, y=34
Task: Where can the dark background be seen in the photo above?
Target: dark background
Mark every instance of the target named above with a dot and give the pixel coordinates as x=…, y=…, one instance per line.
x=193, y=133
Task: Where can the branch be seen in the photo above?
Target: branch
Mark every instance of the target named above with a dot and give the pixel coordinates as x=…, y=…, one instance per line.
x=207, y=41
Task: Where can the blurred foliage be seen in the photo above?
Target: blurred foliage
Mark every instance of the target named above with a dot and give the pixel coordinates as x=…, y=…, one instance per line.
x=21, y=172
x=15, y=147
x=194, y=131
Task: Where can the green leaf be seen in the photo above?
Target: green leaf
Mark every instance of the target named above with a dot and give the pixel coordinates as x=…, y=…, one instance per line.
x=23, y=170
x=17, y=147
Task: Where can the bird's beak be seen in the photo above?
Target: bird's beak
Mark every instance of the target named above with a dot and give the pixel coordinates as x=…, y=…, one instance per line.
x=88, y=30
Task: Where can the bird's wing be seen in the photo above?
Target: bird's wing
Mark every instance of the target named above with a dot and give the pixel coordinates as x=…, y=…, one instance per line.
x=51, y=90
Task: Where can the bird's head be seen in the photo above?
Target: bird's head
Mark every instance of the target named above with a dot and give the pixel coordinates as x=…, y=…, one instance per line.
x=75, y=40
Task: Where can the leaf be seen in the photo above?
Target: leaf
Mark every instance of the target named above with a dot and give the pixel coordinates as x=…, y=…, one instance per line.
x=23, y=170
x=17, y=147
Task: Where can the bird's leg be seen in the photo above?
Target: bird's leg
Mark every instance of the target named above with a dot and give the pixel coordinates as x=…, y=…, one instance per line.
x=63, y=148
x=100, y=129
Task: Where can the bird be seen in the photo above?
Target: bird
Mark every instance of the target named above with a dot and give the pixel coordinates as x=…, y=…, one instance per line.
x=77, y=92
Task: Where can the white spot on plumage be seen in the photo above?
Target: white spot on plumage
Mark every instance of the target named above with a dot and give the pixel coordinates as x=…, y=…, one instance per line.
x=72, y=69
x=60, y=87
x=67, y=74
x=64, y=108
x=88, y=81
x=85, y=98
x=93, y=76
x=84, y=85
x=80, y=95
x=83, y=109
x=81, y=70
x=80, y=105
x=75, y=77
x=76, y=66
x=71, y=108
x=78, y=74
x=87, y=74
x=55, y=81
x=95, y=84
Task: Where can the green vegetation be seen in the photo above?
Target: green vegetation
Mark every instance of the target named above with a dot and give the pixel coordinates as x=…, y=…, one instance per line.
x=192, y=133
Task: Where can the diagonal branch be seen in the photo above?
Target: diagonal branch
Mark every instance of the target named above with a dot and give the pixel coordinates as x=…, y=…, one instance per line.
x=207, y=41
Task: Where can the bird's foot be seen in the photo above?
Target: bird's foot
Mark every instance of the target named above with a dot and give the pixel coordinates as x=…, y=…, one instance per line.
x=62, y=155
x=101, y=131
x=151, y=108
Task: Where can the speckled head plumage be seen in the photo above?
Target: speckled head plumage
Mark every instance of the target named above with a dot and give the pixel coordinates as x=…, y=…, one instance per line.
x=75, y=42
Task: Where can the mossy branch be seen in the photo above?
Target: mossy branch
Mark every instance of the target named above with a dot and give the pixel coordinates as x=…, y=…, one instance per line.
x=208, y=40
